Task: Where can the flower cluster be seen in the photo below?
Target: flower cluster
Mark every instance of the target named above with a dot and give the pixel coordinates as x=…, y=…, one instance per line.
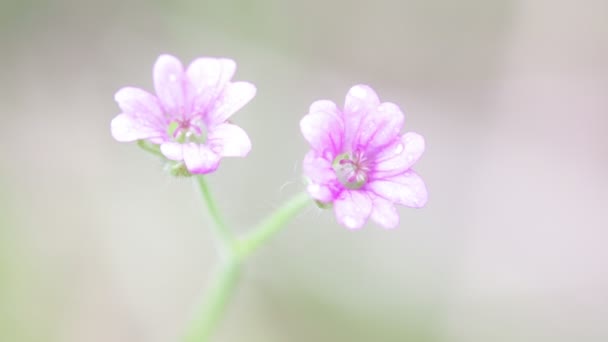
x=359, y=162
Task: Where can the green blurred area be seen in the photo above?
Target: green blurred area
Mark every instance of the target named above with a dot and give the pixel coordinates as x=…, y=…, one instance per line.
x=98, y=244
x=18, y=300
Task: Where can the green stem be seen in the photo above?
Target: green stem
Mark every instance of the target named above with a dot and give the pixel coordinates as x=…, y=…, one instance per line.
x=272, y=224
x=222, y=234
x=220, y=290
x=234, y=252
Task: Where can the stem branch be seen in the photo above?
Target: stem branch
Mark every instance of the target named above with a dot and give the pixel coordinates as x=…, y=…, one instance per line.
x=233, y=253
x=272, y=224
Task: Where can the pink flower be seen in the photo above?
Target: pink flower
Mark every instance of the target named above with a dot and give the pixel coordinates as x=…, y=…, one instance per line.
x=360, y=162
x=188, y=117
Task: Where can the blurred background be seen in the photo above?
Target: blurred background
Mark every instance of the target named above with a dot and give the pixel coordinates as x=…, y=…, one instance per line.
x=97, y=243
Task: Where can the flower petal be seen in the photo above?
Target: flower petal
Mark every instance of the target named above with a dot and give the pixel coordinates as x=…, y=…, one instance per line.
x=324, y=130
x=321, y=192
x=171, y=86
x=199, y=159
x=126, y=128
x=379, y=127
x=234, y=97
x=208, y=77
x=211, y=72
x=228, y=140
x=353, y=208
x=324, y=106
x=317, y=168
x=360, y=99
x=384, y=212
x=139, y=103
x=144, y=116
x=323, y=183
x=172, y=150
x=407, y=189
x=399, y=156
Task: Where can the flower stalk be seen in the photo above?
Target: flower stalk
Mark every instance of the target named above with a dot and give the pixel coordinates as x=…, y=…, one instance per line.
x=272, y=224
x=233, y=253
x=215, y=302
x=224, y=237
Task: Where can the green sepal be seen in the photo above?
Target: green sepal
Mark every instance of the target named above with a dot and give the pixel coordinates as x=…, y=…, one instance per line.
x=324, y=205
x=151, y=148
x=177, y=169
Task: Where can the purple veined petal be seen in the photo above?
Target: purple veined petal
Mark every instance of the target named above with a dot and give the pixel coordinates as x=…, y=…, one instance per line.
x=208, y=77
x=352, y=208
x=171, y=85
x=399, y=156
x=234, y=97
x=199, y=159
x=145, y=112
x=141, y=104
x=379, y=127
x=323, y=183
x=407, y=189
x=360, y=99
x=323, y=131
x=384, y=212
x=126, y=128
x=172, y=150
x=228, y=140
x=318, y=169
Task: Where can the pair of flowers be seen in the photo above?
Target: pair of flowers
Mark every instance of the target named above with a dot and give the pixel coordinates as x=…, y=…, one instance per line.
x=359, y=161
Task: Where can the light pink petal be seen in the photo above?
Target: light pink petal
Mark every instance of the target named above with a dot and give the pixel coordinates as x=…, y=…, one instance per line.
x=360, y=99
x=323, y=183
x=379, y=127
x=324, y=131
x=144, y=116
x=399, y=156
x=171, y=86
x=126, y=128
x=173, y=150
x=211, y=72
x=324, y=106
x=234, y=97
x=208, y=77
x=199, y=159
x=139, y=103
x=384, y=212
x=322, y=192
x=318, y=169
x=228, y=140
x=353, y=208
x=407, y=189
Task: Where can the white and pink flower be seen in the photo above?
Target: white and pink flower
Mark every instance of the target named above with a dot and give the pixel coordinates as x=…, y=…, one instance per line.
x=188, y=116
x=359, y=160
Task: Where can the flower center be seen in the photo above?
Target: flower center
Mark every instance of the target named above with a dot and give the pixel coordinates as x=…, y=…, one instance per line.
x=184, y=131
x=351, y=169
